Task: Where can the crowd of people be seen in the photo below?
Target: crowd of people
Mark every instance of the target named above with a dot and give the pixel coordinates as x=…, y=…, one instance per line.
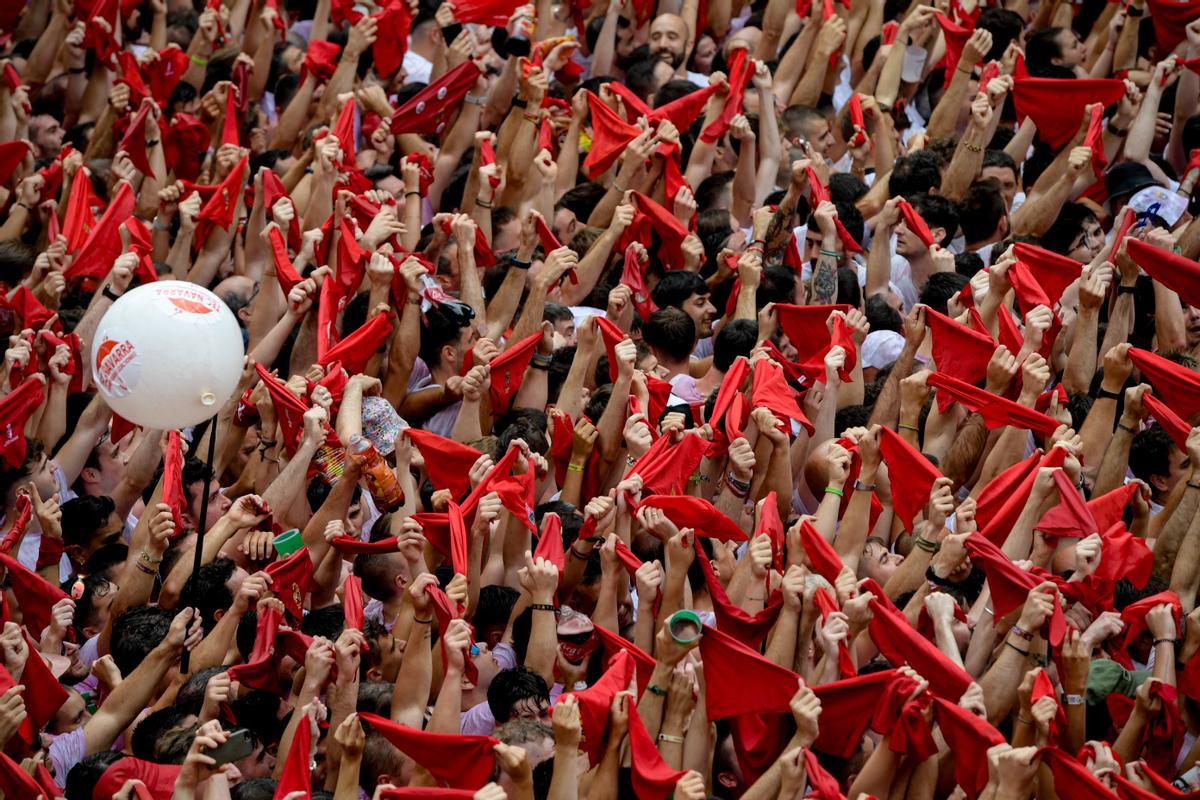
x=707, y=398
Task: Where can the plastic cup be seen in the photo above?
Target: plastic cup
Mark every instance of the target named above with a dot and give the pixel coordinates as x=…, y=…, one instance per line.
x=684, y=626
x=288, y=542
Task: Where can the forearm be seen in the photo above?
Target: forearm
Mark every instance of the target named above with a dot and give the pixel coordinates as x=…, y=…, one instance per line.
x=411, y=692
x=294, y=116
x=1081, y=365
x=1142, y=132
x=967, y=160
x=1001, y=681
x=41, y=59
x=1114, y=462
x=128, y=699
x=946, y=113
x=1036, y=214
x=1177, y=549
x=285, y=492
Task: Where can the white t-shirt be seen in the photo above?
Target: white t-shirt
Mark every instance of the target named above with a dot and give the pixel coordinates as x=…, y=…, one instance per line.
x=417, y=68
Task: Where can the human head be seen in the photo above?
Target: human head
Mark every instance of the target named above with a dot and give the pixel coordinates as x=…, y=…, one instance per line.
x=1155, y=459
x=46, y=133
x=669, y=39
x=89, y=523
x=238, y=292
x=1001, y=166
x=914, y=174
x=811, y=125
x=687, y=292
x=940, y=289
x=671, y=334
x=213, y=588
x=1075, y=233
x=939, y=214
x=984, y=216
x=446, y=337
x=1058, y=47
x=736, y=338
x=36, y=468
x=195, y=472
x=518, y=692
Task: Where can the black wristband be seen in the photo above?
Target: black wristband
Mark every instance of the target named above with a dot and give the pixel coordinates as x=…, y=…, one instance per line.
x=1103, y=393
x=451, y=32
x=520, y=102
x=110, y=294
x=1126, y=289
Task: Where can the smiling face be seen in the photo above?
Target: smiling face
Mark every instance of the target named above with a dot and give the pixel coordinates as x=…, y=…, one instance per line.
x=700, y=308
x=668, y=39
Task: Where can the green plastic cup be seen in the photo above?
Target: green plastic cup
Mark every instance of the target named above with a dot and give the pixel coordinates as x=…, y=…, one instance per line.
x=684, y=626
x=288, y=542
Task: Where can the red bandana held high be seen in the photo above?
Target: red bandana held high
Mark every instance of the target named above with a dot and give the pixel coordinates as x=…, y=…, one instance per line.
x=460, y=762
x=698, y=514
x=1177, y=385
x=1011, y=585
x=394, y=27
x=958, y=351
x=292, y=580
x=15, y=410
x=159, y=779
x=508, y=371
x=172, y=479
x=911, y=473
x=610, y=136
x=429, y=109
x=1180, y=275
x=103, y=244
x=297, y=765
x=447, y=462
x=1056, y=104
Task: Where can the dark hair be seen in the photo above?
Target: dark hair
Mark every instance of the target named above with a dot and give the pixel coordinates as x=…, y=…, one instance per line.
x=87, y=772
x=639, y=78
x=915, y=173
x=1005, y=27
x=676, y=287
x=494, y=606
x=440, y=329
x=848, y=290
x=1041, y=48
x=1066, y=227
x=34, y=450
x=511, y=686
x=982, y=209
x=999, y=158
x=1150, y=453
x=85, y=606
x=328, y=622
x=206, y=589
x=940, y=287
x=135, y=633
x=148, y=732
x=939, y=213
x=194, y=470
x=254, y=789
x=377, y=571
x=709, y=190
x=671, y=331
x=581, y=199
x=736, y=338
x=881, y=315
x=191, y=695
x=968, y=264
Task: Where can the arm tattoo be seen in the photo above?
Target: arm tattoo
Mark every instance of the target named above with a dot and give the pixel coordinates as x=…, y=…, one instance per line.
x=824, y=280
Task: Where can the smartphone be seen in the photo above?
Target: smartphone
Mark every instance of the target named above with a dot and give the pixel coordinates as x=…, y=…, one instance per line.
x=236, y=747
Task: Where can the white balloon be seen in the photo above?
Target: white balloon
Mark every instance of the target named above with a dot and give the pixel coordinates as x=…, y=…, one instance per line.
x=167, y=355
